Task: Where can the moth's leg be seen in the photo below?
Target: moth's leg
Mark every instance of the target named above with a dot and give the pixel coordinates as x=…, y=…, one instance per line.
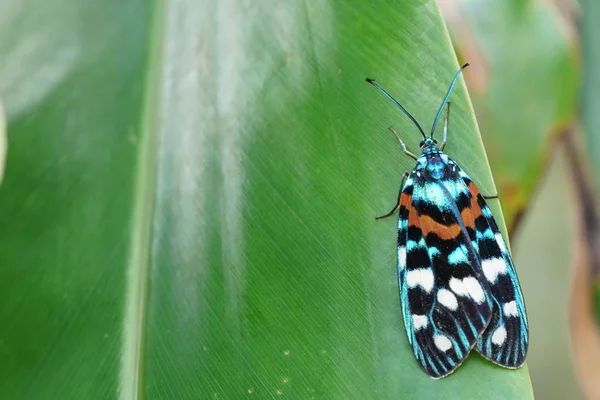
x=397, y=201
x=445, y=133
x=404, y=150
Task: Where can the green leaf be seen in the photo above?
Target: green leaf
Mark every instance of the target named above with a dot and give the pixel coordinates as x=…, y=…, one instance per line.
x=189, y=204
x=3, y=140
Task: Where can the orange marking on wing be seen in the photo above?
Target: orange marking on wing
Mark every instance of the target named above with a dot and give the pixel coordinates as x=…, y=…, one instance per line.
x=467, y=217
x=475, y=209
x=473, y=189
x=413, y=217
x=471, y=213
x=444, y=232
x=405, y=200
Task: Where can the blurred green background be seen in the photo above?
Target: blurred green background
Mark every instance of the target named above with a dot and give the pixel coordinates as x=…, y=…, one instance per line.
x=190, y=189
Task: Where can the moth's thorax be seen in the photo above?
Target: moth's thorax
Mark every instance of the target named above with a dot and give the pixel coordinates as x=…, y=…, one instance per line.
x=433, y=164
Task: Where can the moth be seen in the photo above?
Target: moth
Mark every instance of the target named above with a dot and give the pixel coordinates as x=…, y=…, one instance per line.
x=458, y=286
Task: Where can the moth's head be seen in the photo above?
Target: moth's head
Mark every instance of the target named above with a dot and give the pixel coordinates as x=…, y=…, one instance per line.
x=428, y=145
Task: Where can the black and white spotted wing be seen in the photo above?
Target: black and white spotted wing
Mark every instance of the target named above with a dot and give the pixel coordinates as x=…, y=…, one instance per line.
x=506, y=339
x=444, y=300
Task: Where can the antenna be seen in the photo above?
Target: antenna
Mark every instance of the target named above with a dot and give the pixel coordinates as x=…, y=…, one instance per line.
x=372, y=82
x=439, y=114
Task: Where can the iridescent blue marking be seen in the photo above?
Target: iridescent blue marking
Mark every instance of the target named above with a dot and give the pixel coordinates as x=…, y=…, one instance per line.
x=435, y=194
x=458, y=256
x=433, y=251
x=487, y=234
x=411, y=245
x=486, y=212
x=436, y=167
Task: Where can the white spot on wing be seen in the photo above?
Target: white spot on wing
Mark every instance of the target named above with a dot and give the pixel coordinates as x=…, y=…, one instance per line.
x=468, y=287
x=510, y=309
x=442, y=342
x=420, y=277
x=402, y=257
x=499, y=336
x=419, y=321
x=492, y=268
x=447, y=298
x=474, y=289
x=458, y=287
x=500, y=242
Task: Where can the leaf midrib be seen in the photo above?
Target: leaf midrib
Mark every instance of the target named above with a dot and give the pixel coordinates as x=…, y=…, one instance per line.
x=139, y=261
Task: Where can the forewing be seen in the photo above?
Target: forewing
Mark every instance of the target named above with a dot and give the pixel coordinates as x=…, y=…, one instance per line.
x=445, y=307
x=505, y=341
